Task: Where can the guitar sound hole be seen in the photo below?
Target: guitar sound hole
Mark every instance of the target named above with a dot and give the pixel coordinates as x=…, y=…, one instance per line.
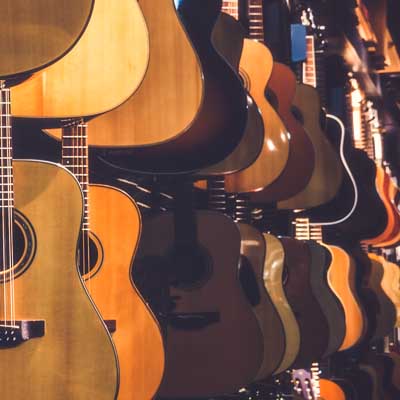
x=23, y=249
x=190, y=267
x=90, y=255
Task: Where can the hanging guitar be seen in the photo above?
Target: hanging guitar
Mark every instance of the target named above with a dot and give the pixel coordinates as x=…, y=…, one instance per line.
x=219, y=124
x=52, y=336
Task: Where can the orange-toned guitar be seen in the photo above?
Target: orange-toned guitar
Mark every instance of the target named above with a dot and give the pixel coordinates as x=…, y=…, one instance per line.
x=255, y=75
x=342, y=281
x=109, y=239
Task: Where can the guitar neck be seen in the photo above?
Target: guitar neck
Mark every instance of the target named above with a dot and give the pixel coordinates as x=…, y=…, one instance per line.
x=6, y=154
x=256, y=19
x=75, y=159
x=231, y=7
x=309, y=66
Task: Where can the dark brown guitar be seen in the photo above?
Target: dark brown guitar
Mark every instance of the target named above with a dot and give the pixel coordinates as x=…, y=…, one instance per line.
x=280, y=93
x=247, y=151
x=211, y=330
x=221, y=121
x=302, y=300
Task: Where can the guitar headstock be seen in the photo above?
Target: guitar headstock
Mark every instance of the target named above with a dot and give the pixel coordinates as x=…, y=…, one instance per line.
x=303, y=384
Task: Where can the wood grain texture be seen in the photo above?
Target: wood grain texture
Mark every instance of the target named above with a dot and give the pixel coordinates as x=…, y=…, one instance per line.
x=273, y=280
x=341, y=278
x=103, y=70
x=328, y=172
x=137, y=339
x=75, y=359
x=280, y=92
x=254, y=257
x=256, y=68
x=34, y=33
x=170, y=95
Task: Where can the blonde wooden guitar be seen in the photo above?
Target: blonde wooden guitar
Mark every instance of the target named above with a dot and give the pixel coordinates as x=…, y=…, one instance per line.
x=273, y=281
x=69, y=354
x=102, y=70
x=341, y=279
x=34, y=33
x=110, y=236
x=168, y=99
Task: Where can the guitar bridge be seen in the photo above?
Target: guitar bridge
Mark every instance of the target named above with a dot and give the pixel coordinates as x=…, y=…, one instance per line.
x=18, y=333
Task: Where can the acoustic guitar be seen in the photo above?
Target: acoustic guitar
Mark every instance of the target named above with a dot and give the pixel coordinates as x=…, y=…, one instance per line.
x=307, y=108
x=325, y=294
x=341, y=279
x=274, y=275
x=256, y=267
x=255, y=69
x=310, y=317
x=100, y=72
x=219, y=124
x=251, y=144
x=386, y=316
x=211, y=329
x=105, y=265
x=172, y=86
x=280, y=94
x=37, y=33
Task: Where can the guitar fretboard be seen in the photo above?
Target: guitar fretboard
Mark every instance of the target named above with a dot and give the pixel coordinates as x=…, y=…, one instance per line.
x=75, y=158
x=305, y=231
x=309, y=68
x=231, y=8
x=256, y=19
x=6, y=154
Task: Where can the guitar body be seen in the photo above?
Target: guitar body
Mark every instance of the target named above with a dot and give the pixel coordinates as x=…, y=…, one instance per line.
x=249, y=148
x=390, y=285
x=306, y=308
x=137, y=338
x=220, y=122
x=280, y=93
x=392, y=192
x=330, y=390
x=329, y=303
x=357, y=225
x=343, y=204
x=75, y=358
x=273, y=281
x=92, y=78
x=211, y=328
x=172, y=87
x=386, y=317
x=256, y=68
x=36, y=33
x=253, y=267
x=391, y=228
x=341, y=278
x=327, y=165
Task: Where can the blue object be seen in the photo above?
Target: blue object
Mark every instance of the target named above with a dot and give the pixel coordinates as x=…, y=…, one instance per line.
x=298, y=38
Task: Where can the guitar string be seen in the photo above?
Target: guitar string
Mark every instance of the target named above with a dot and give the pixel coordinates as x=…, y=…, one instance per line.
x=4, y=201
x=10, y=208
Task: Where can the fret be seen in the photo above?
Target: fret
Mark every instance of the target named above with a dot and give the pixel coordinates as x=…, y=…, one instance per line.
x=256, y=19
